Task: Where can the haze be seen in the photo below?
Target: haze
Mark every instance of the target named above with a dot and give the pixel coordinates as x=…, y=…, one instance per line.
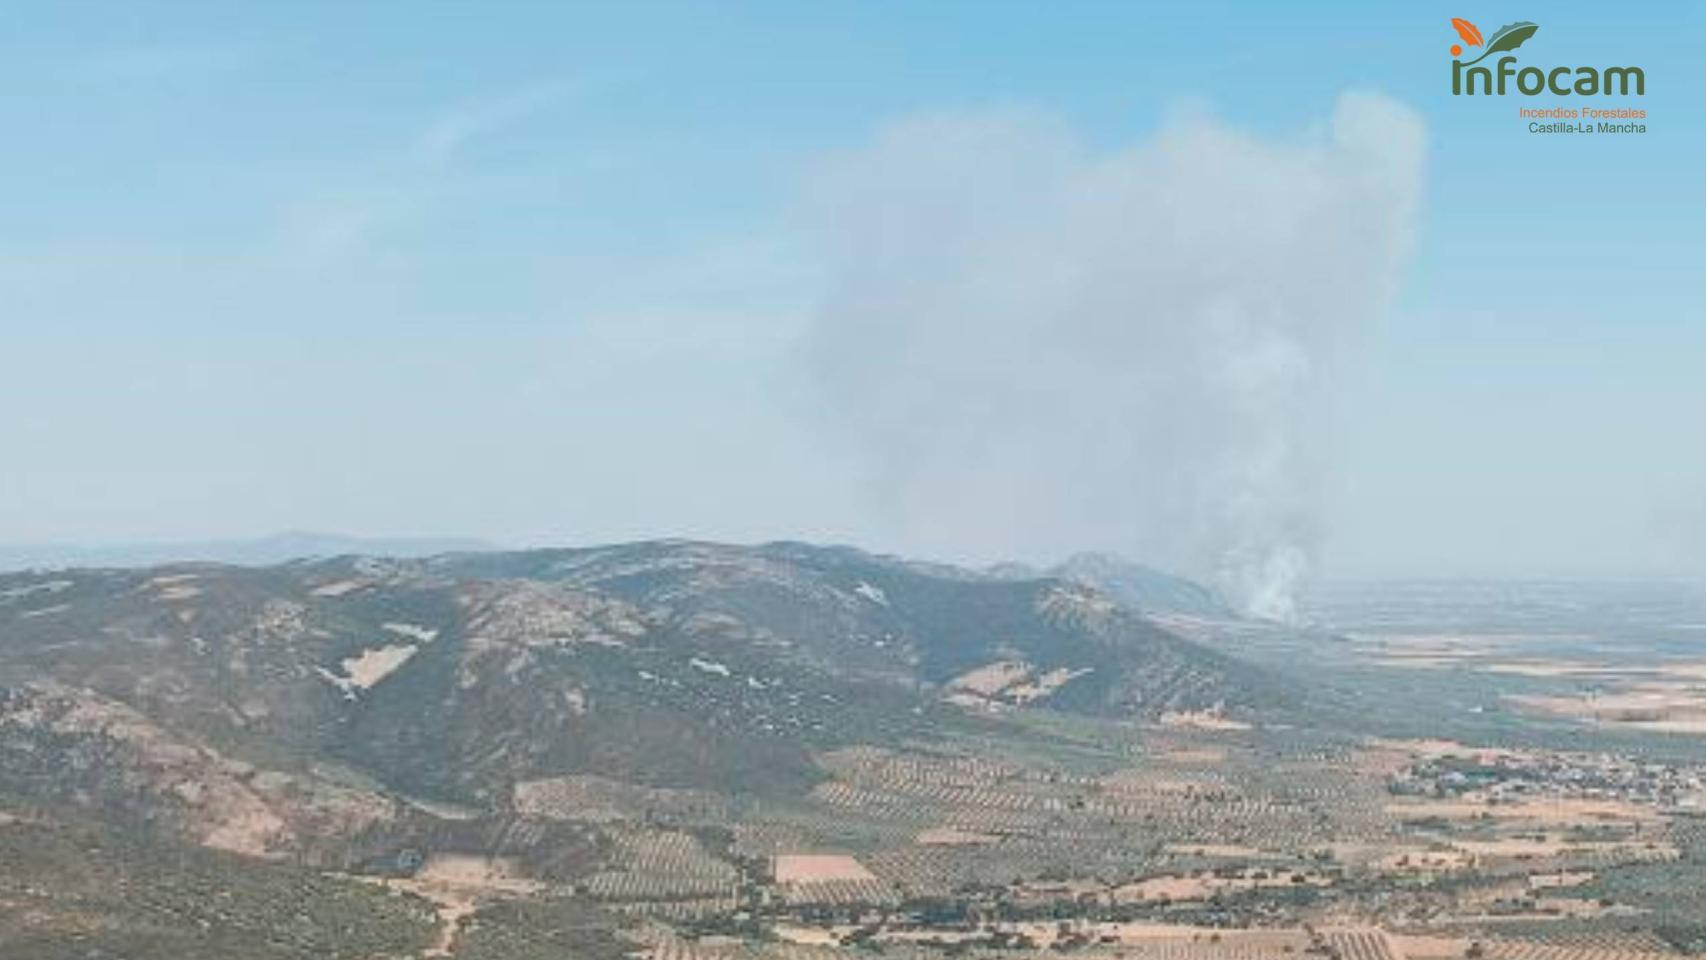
x=846, y=274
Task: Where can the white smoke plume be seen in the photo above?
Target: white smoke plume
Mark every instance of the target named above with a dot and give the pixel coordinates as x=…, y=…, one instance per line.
x=1037, y=346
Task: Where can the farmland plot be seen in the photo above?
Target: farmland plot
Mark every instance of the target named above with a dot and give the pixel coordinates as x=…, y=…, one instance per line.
x=663, y=866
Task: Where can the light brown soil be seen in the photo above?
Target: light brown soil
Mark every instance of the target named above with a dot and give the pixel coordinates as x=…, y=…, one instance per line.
x=813, y=867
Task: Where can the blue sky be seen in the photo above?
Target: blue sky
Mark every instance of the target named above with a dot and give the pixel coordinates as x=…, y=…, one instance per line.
x=482, y=269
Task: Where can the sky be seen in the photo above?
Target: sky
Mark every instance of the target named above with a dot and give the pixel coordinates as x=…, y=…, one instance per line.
x=573, y=273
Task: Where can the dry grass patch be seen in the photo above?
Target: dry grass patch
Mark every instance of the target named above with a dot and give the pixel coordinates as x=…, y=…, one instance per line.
x=817, y=867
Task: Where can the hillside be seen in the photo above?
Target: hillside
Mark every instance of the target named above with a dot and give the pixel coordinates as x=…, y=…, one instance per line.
x=257, y=709
x=1134, y=585
x=655, y=747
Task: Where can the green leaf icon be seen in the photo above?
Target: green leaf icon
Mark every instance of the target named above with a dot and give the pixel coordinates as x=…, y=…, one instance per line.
x=1508, y=37
x=1511, y=35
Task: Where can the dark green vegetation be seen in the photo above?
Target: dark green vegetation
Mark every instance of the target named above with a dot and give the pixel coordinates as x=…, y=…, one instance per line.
x=542, y=929
x=84, y=893
x=673, y=665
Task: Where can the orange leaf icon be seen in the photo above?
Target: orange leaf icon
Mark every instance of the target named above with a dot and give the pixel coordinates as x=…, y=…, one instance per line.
x=1467, y=31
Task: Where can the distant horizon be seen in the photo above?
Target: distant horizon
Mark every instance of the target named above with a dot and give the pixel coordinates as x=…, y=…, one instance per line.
x=220, y=550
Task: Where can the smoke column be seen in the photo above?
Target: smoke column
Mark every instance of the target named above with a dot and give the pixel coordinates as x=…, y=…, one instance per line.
x=1036, y=347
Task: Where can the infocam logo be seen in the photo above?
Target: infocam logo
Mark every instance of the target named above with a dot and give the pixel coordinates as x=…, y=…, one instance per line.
x=1467, y=78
